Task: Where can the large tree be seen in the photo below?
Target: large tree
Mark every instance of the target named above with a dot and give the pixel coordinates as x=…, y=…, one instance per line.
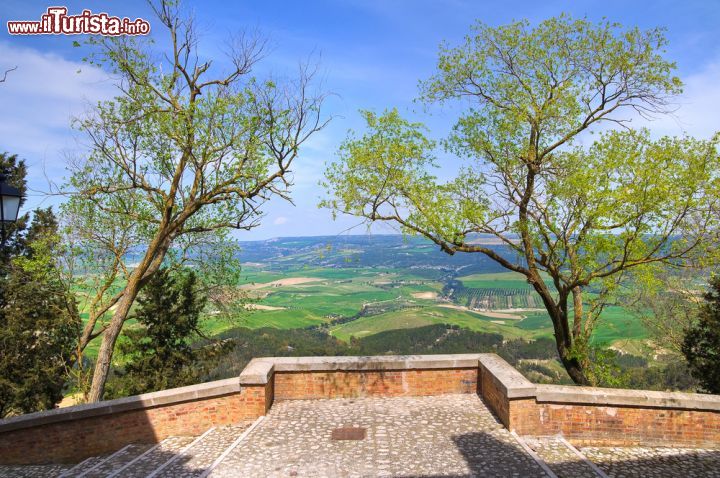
x=701, y=346
x=39, y=322
x=158, y=351
x=184, y=153
x=575, y=215
x=667, y=304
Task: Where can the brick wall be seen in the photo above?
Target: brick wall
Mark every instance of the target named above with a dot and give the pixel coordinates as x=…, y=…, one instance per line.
x=598, y=416
x=617, y=425
x=494, y=396
x=583, y=415
x=71, y=441
x=386, y=383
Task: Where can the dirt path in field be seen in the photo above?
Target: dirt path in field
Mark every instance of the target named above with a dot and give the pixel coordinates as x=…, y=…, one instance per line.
x=263, y=307
x=281, y=282
x=528, y=309
x=486, y=313
x=425, y=295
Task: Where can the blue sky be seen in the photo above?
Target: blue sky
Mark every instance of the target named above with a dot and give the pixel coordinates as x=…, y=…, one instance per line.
x=371, y=55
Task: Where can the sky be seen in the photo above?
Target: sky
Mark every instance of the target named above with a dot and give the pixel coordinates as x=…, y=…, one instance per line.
x=370, y=54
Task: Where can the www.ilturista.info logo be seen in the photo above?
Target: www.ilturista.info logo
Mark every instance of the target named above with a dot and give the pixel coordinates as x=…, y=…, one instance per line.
x=57, y=22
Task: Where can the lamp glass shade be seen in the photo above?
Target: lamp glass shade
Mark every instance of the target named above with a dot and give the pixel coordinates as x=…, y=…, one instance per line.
x=9, y=207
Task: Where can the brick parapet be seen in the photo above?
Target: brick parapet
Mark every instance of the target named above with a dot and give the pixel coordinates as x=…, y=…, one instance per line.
x=582, y=414
x=386, y=383
x=75, y=433
x=619, y=419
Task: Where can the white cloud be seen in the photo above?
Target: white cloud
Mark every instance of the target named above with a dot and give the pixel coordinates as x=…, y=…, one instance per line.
x=38, y=100
x=698, y=106
x=280, y=220
x=694, y=112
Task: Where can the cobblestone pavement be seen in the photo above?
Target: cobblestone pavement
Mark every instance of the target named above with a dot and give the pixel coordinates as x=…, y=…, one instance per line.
x=156, y=456
x=201, y=455
x=655, y=462
x=116, y=461
x=32, y=471
x=560, y=458
x=449, y=435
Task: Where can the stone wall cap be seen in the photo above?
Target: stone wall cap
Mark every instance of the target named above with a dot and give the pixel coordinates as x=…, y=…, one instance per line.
x=375, y=362
x=622, y=397
x=257, y=372
x=143, y=401
x=512, y=383
x=260, y=370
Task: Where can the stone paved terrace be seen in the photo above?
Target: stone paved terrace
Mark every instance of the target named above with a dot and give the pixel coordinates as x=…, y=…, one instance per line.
x=449, y=435
x=410, y=417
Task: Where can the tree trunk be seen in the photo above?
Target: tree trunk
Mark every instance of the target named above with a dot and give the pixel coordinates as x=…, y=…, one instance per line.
x=564, y=343
x=575, y=370
x=563, y=338
x=86, y=336
x=102, y=366
x=577, y=311
x=150, y=263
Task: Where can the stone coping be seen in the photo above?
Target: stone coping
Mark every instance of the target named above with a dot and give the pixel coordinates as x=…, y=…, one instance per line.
x=260, y=370
x=511, y=383
x=144, y=401
x=568, y=394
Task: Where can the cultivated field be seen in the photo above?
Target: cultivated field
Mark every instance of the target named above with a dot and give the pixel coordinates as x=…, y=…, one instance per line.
x=370, y=286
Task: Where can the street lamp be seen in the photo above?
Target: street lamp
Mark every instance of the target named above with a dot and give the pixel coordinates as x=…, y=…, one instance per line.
x=9, y=204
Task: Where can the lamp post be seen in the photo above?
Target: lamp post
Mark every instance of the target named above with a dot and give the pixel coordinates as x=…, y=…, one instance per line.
x=9, y=204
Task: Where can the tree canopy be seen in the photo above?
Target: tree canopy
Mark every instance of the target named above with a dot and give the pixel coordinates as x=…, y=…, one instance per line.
x=39, y=322
x=702, y=341
x=158, y=353
x=575, y=212
x=186, y=152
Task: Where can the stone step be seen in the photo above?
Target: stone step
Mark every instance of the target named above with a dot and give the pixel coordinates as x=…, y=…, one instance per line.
x=197, y=458
x=523, y=442
x=82, y=467
x=563, y=458
x=152, y=458
x=115, y=462
x=235, y=444
x=35, y=471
